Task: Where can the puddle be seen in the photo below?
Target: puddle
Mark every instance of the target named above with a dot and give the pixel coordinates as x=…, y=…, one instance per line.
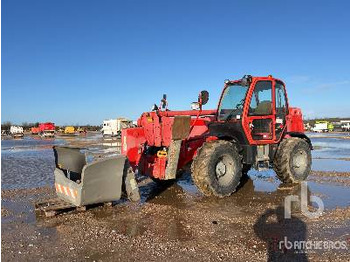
x=186, y=183
x=29, y=162
x=331, y=148
x=175, y=195
x=333, y=195
x=328, y=135
x=27, y=169
x=329, y=151
x=330, y=165
x=264, y=186
x=261, y=187
x=103, y=150
x=28, y=143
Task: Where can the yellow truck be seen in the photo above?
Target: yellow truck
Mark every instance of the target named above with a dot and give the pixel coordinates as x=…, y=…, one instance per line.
x=69, y=130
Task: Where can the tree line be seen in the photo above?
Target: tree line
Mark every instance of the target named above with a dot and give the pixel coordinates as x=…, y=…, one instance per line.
x=27, y=125
x=329, y=119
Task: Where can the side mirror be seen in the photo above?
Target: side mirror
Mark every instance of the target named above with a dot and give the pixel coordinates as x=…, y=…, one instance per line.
x=163, y=102
x=203, y=97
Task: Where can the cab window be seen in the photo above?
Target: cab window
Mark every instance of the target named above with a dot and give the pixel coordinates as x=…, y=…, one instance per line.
x=232, y=101
x=261, y=102
x=280, y=97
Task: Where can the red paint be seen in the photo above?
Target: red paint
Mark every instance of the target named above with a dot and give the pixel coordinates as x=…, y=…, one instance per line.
x=211, y=138
x=295, y=120
x=35, y=130
x=46, y=126
x=133, y=141
x=154, y=132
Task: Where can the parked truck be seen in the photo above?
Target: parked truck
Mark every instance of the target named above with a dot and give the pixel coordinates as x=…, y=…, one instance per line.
x=321, y=126
x=113, y=127
x=35, y=130
x=254, y=126
x=69, y=130
x=47, y=129
x=345, y=125
x=16, y=131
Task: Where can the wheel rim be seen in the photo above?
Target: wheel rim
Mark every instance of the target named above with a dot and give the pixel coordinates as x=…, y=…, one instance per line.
x=224, y=170
x=300, y=162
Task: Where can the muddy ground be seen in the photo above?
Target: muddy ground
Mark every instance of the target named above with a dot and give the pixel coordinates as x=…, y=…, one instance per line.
x=176, y=222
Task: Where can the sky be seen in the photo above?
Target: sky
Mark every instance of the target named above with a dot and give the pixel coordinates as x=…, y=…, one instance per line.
x=80, y=62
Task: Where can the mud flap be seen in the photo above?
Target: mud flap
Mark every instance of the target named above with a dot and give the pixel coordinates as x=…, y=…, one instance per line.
x=180, y=130
x=130, y=184
x=102, y=181
x=173, y=159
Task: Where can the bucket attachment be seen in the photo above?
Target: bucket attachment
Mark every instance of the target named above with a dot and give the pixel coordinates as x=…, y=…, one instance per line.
x=81, y=184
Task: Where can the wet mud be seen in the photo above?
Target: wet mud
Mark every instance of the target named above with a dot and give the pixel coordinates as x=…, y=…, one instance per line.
x=173, y=222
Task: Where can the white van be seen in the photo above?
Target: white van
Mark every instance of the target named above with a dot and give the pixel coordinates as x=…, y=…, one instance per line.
x=113, y=127
x=320, y=127
x=16, y=131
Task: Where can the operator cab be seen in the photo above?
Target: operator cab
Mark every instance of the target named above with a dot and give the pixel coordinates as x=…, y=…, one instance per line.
x=252, y=111
x=259, y=104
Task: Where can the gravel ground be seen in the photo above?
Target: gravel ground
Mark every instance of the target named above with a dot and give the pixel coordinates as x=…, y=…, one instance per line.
x=169, y=223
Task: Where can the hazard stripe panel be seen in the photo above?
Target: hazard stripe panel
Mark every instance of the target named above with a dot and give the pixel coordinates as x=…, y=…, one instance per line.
x=66, y=190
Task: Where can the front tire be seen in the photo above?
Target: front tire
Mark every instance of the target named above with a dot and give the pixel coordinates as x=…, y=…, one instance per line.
x=217, y=169
x=292, y=162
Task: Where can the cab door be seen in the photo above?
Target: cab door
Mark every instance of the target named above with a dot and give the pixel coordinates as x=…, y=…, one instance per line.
x=260, y=115
x=281, y=109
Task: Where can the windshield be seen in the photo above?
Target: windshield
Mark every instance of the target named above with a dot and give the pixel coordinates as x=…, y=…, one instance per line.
x=232, y=101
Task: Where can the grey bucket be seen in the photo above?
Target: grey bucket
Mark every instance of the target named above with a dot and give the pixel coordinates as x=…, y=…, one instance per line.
x=83, y=184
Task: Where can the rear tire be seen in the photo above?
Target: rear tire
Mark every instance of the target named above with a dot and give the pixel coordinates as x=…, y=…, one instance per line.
x=217, y=168
x=292, y=162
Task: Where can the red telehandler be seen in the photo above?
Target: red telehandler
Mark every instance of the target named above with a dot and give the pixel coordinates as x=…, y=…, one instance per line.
x=253, y=127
